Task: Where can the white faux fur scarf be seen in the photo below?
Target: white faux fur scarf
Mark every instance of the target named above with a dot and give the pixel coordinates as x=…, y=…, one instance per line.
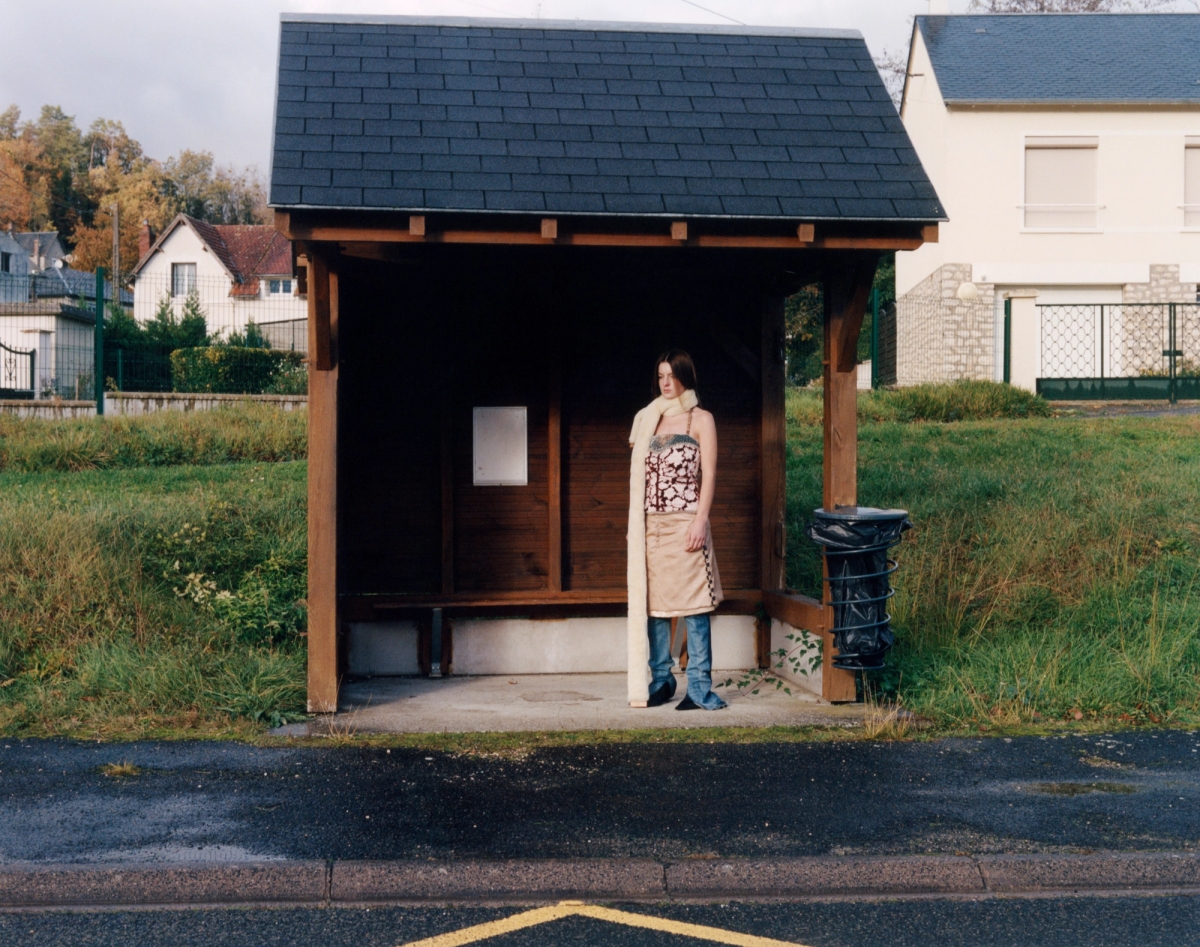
x=638, y=650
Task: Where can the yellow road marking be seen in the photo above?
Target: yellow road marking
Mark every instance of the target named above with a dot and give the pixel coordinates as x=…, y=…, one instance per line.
x=516, y=922
x=698, y=931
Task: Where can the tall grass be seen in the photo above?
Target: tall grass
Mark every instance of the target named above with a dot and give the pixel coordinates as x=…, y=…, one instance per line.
x=960, y=401
x=99, y=633
x=226, y=435
x=1053, y=573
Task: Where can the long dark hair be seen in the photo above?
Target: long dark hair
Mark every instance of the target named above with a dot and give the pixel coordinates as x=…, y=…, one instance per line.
x=682, y=367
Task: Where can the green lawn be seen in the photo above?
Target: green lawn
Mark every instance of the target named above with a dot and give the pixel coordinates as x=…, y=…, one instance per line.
x=112, y=617
x=1053, y=569
x=1052, y=572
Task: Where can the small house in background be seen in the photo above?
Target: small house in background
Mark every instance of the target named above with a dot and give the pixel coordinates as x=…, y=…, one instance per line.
x=47, y=320
x=239, y=274
x=45, y=249
x=1067, y=151
x=501, y=223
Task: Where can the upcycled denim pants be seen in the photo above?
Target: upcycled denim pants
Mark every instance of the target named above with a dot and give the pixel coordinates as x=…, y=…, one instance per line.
x=699, y=669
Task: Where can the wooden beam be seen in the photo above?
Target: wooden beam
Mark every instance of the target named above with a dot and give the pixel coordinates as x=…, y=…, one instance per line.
x=929, y=233
x=323, y=672
x=799, y=611
x=530, y=597
x=416, y=225
x=772, y=447
x=846, y=290
x=679, y=230
x=554, y=579
x=383, y=235
x=868, y=243
x=549, y=228
x=320, y=353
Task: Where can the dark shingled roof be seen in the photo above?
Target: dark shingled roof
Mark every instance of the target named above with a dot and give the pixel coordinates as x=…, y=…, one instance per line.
x=1118, y=58
x=418, y=114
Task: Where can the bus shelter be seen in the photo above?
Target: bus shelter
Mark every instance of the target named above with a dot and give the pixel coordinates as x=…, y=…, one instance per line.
x=498, y=225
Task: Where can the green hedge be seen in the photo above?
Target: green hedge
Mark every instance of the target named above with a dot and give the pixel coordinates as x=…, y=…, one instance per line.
x=231, y=369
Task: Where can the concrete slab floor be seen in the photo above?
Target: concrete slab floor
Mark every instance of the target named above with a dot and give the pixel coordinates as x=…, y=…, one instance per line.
x=555, y=702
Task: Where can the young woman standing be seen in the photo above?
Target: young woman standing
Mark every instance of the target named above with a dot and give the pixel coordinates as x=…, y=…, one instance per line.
x=672, y=568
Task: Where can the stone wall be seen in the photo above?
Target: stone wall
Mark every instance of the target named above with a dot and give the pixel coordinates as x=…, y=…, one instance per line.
x=142, y=402
x=1164, y=287
x=940, y=337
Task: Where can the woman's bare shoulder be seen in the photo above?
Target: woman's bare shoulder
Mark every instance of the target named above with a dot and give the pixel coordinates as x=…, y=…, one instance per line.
x=704, y=417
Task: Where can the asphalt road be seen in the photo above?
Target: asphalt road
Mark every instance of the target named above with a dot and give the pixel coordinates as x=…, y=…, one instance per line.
x=1060, y=922
x=228, y=802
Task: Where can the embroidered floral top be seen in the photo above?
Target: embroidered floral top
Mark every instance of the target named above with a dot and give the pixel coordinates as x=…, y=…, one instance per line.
x=673, y=474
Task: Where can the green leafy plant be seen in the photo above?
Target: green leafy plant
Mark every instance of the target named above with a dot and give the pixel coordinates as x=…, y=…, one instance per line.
x=229, y=369
x=803, y=657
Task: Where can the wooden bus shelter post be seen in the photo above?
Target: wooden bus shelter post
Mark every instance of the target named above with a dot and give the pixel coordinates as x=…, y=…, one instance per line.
x=846, y=291
x=322, y=483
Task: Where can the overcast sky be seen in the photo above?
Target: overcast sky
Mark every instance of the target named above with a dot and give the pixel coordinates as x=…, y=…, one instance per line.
x=200, y=75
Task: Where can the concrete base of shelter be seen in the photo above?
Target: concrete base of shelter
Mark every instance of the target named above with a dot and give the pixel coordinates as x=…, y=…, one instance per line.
x=527, y=702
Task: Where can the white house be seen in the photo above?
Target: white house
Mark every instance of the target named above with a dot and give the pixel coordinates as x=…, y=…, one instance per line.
x=1066, y=149
x=240, y=274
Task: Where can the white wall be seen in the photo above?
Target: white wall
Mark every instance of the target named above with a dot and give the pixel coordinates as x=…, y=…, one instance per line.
x=975, y=158
x=525, y=646
x=212, y=283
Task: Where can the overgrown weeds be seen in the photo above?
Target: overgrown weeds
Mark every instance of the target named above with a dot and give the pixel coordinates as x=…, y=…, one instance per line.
x=1054, y=574
x=99, y=631
x=960, y=401
x=251, y=432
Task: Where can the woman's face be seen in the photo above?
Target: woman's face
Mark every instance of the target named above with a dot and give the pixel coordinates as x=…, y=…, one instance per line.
x=668, y=384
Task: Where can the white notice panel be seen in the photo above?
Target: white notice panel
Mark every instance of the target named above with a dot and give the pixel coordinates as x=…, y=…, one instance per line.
x=501, y=446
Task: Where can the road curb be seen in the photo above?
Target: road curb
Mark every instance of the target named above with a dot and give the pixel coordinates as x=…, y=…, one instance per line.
x=533, y=880
x=109, y=885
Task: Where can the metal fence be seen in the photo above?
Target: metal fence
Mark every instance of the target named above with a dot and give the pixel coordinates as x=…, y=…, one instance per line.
x=200, y=334
x=1120, y=351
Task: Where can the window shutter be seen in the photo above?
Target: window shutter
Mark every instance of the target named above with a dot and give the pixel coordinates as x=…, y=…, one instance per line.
x=1191, y=184
x=1060, y=183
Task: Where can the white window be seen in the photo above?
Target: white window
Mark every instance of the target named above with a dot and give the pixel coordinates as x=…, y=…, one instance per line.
x=1191, y=183
x=183, y=278
x=1060, y=183
x=501, y=446
x=279, y=287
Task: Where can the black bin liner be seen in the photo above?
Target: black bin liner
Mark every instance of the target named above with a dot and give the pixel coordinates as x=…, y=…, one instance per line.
x=856, y=541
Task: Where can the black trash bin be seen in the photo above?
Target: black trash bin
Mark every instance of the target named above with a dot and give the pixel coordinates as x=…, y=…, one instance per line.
x=856, y=540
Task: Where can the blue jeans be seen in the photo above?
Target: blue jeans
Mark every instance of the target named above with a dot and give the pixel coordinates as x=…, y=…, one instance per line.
x=699, y=669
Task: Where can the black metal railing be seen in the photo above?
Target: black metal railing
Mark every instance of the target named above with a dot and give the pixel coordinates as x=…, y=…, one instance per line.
x=1120, y=351
x=18, y=369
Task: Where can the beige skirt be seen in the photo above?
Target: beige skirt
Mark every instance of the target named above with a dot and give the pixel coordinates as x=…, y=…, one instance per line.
x=679, y=582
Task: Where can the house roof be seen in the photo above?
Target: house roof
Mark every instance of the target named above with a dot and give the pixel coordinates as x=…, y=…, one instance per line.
x=508, y=116
x=245, y=251
x=1069, y=58
x=63, y=281
x=45, y=240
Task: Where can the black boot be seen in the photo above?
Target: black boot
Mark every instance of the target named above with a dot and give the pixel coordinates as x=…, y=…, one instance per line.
x=662, y=693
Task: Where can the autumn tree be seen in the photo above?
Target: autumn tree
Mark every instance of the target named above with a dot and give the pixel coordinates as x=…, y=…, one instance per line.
x=53, y=176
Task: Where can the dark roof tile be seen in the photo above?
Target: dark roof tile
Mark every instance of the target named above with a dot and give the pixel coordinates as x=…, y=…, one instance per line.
x=1065, y=58
x=540, y=118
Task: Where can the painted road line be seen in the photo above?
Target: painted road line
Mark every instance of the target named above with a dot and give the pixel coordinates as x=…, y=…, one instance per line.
x=516, y=922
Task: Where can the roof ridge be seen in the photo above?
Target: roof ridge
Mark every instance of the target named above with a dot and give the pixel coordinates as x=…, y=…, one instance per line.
x=602, y=26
